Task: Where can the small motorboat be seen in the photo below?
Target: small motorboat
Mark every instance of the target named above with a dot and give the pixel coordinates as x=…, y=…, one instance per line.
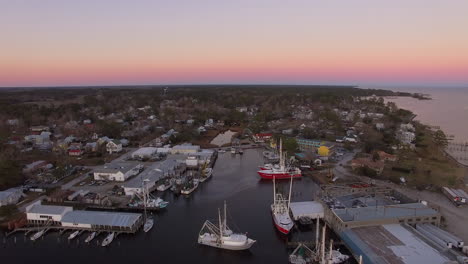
x=37, y=235
x=73, y=235
x=90, y=237
x=148, y=224
x=108, y=239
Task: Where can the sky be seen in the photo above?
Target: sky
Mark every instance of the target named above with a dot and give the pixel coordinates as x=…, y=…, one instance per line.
x=120, y=42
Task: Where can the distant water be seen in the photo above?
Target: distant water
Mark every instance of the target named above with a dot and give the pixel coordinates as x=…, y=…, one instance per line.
x=447, y=109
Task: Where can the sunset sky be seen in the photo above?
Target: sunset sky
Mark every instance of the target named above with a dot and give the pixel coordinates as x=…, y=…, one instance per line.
x=118, y=42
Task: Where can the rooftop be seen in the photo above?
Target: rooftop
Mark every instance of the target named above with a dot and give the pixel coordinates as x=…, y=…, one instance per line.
x=48, y=209
x=384, y=212
x=390, y=244
x=114, y=219
x=116, y=167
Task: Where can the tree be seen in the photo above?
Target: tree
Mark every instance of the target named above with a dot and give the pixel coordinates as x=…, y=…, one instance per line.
x=290, y=145
x=440, y=138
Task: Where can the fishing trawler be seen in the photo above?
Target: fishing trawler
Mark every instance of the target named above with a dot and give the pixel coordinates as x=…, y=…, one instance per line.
x=221, y=236
x=280, y=172
x=108, y=239
x=280, y=210
x=165, y=185
x=149, y=222
x=189, y=187
x=207, y=172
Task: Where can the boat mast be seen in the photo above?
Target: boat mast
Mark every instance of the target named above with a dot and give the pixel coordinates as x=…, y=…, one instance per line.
x=274, y=194
x=220, y=225
x=281, y=154
x=224, y=224
x=290, y=190
x=144, y=197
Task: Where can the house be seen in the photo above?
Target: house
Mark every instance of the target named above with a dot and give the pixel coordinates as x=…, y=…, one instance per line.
x=75, y=151
x=380, y=126
x=287, y=131
x=10, y=196
x=376, y=166
x=384, y=156
x=201, y=129
x=117, y=171
x=37, y=165
x=209, y=122
x=12, y=122
x=407, y=127
x=144, y=153
x=262, y=137
x=114, y=146
x=91, y=146
x=242, y=109
x=87, y=121
x=405, y=137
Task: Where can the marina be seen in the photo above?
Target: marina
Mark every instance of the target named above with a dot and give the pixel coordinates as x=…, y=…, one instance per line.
x=235, y=180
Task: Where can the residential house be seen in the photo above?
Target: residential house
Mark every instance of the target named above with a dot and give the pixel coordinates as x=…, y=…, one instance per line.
x=185, y=149
x=114, y=146
x=377, y=166
x=36, y=165
x=10, y=196
x=384, y=156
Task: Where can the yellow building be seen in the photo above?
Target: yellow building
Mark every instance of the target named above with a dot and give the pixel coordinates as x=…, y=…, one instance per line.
x=323, y=151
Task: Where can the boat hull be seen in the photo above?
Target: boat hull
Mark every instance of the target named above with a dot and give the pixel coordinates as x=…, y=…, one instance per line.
x=216, y=244
x=268, y=175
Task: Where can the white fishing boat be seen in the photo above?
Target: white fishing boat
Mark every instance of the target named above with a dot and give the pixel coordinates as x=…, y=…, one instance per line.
x=221, y=236
x=90, y=237
x=221, y=151
x=148, y=224
x=109, y=238
x=233, y=150
x=74, y=234
x=189, y=187
x=37, y=235
x=280, y=210
x=206, y=174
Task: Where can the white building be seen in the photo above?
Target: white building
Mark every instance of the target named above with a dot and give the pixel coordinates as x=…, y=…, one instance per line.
x=185, y=149
x=406, y=137
x=144, y=153
x=117, y=171
x=101, y=220
x=114, y=146
x=10, y=196
x=38, y=213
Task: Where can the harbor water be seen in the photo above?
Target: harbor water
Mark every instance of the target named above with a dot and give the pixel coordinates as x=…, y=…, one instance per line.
x=173, y=238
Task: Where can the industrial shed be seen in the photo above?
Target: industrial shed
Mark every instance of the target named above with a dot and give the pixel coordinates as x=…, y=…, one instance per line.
x=98, y=220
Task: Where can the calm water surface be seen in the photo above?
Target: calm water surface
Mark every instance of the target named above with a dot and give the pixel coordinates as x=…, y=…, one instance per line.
x=447, y=109
x=173, y=239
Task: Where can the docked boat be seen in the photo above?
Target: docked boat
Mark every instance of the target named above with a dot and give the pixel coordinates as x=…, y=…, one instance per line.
x=302, y=255
x=241, y=151
x=109, y=238
x=221, y=151
x=233, y=150
x=189, y=187
x=73, y=235
x=148, y=224
x=206, y=174
x=280, y=172
x=37, y=235
x=165, y=185
x=337, y=257
x=221, y=236
x=269, y=166
x=90, y=237
x=280, y=210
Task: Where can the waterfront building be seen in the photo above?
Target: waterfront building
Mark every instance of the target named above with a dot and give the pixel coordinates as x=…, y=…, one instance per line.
x=117, y=171
x=37, y=213
x=185, y=149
